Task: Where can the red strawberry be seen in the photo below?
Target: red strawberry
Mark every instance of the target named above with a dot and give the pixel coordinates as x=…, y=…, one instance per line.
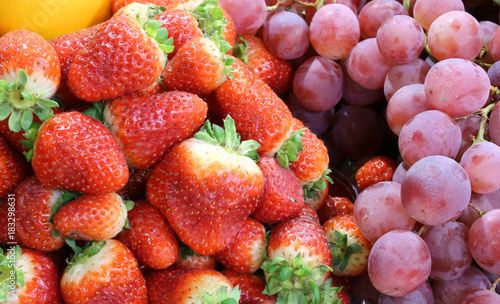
x=207, y=187
x=35, y=204
x=350, y=249
x=135, y=189
x=335, y=206
x=150, y=237
x=8, y=220
x=13, y=167
x=190, y=259
x=251, y=287
x=103, y=272
x=376, y=169
x=29, y=75
x=274, y=71
x=126, y=54
x=92, y=217
x=146, y=127
x=169, y=4
x=317, y=202
x=283, y=195
x=246, y=252
x=73, y=151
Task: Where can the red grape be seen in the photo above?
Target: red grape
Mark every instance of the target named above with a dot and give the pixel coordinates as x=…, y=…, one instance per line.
x=484, y=241
x=375, y=12
x=481, y=161
x=423, y=295
x=426, y=11
x=247, y=15
x=401, y=75
x=449, y=292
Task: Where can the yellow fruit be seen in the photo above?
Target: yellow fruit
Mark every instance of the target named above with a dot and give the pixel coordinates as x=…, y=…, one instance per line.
x=52, y=18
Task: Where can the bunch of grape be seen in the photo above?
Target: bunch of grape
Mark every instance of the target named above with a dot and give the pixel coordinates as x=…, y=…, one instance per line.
x=416, y=80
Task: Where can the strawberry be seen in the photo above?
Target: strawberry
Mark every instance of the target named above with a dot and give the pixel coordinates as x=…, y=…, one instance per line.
x=150, y=237
x=75, y=152
x=350, y=249
x=135, y=189
x=376, y=169
x=92, y=217
x=190, y=259
x=8, y=220
x=274, y=71
x=28, y=276
x=283, y=195
x=190, y=285
x=126, y=54
x=13, y=167
x=146, y=127
x=169, y=4
x=246, y=252
x=103, y=272
x=206, y=186
x=335, y=206
x=29, y=75
x=318, y=201
x=251, y=287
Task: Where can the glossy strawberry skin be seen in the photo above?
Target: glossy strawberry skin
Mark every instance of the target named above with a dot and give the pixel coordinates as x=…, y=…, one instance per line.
x=146, y=127
x=376, y=169
x=335, y=206
x=75, y=152
x=135, y=189
x=13, y=167
x=169, y=4
x=251, y=286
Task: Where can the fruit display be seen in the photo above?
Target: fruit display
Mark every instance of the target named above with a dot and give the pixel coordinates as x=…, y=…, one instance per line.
x=250, y=151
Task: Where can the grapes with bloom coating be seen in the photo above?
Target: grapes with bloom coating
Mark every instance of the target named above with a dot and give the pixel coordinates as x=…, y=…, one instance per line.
x=428, y=133
x=400, y=172
x=494, y=124
x=487, y=28
x=401, y=75
x=399, y=263
x=378, y=210
x=426, y=11
x=423, y=295
x=494, y=74
x=484, y=202
x=449, y=248
x=375, y=12
x=334, y=31
x=400, y=39
x=247, y=15
x=470, y=129
x=484, y=241
x=481, y=161
x=457, y=87
x=317, y=122
x=495, y=44
x=450, y=291
x=435, y=190
x=355, y=94
x=479, y=296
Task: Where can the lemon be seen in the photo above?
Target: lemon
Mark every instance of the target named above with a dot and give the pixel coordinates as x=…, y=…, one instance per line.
x=52, y=18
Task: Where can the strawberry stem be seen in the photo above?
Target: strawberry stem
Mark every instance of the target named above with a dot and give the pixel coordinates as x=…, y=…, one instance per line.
x=311, y=190
x=290, y=149
x=222, y=296
x=341, y=251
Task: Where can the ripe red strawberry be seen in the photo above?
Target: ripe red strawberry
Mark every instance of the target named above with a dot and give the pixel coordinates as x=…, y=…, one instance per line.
x=274, y=71
x=190, y=285
x=29, y=75
x=251, y=287
x=206, y=186
x=75, y=152
x=92, y=217
x=35, y=204
x=13, y=167
x=376, y=169
x=318, y=201
x=350, y=249
x=283, y=195
x=169, y=4
x=8, y=220
x=190, y=259
x=150, y=237
x=103, y=272
x=335, y=206
x=146, y=127
x=126, y=54
x=28, y=276
x=246, y=252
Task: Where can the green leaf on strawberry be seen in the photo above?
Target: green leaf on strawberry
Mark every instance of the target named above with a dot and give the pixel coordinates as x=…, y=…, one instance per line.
x=9, y=273
x=81, y=254
x=222, y=297
x=290, y=148
x=311, y=190
x=341, y=251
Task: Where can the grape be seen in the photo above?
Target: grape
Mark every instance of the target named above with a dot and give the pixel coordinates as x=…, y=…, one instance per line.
x=423, y=295
x=494, y=124
x=400, y=172
x=318, y=83
x=481, y=161
x=286, y=35
x=400, y=39
x=375, y=12
x=485, y=202
x=334, y=31
x=470, y=128
x=455, y=34
x=401, y=75
x=411, y=6
x=317, y=122
x=426, y=11
x=428, y=133
x=407, y=102
x=494, y=74
x=378, y=210
x=247, y=15
x=457, y=87
x=367, y=66
x=435, y=190
x=480, y=296
x=487, y=28
x=399, y=263
x=449, y=248
x=355, y=94
x=484, y=241
x=449, y=292
x=495, y=44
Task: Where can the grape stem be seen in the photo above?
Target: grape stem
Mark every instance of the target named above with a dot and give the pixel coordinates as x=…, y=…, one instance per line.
x=406, y=4
x=494, y=285
x=317, y=4
x=478, y=210
x=421, y=230
x=484, y=112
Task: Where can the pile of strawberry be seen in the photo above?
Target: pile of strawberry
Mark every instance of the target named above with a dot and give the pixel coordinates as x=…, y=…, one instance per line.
x=143, y=163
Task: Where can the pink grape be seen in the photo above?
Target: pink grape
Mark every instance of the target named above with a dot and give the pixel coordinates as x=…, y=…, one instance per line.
x=247, y=15
x=317, y=122
x=401, y=75
x=435, y=190
x=355, y=94
x=400, y=172
x=426, y=11
x=484, y=241
x=494, y=124
x=400, y=39
x=480, y=296
x=470, y=128
x=423, y=295
x=375, y=12
x=449, y=292
x=399, y=263
x=481, y=161
x=494, y=74
x=485, y=202
x=495, y=44
x=318, y=83
x=457, y=87
x=487, y=28
x=428, y=133
x=334, y=31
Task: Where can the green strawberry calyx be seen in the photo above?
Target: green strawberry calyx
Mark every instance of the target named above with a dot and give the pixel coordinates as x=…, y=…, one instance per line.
x=82, y=254
x=11, y=276
x=154, y=27
x=312, y=189
x=222, y=296
x=290, y=149
x=240, y=46
x=19, y=105
x=341, y=251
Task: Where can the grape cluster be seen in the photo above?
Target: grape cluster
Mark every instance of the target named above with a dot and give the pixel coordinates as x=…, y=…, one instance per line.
x=418, y=81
